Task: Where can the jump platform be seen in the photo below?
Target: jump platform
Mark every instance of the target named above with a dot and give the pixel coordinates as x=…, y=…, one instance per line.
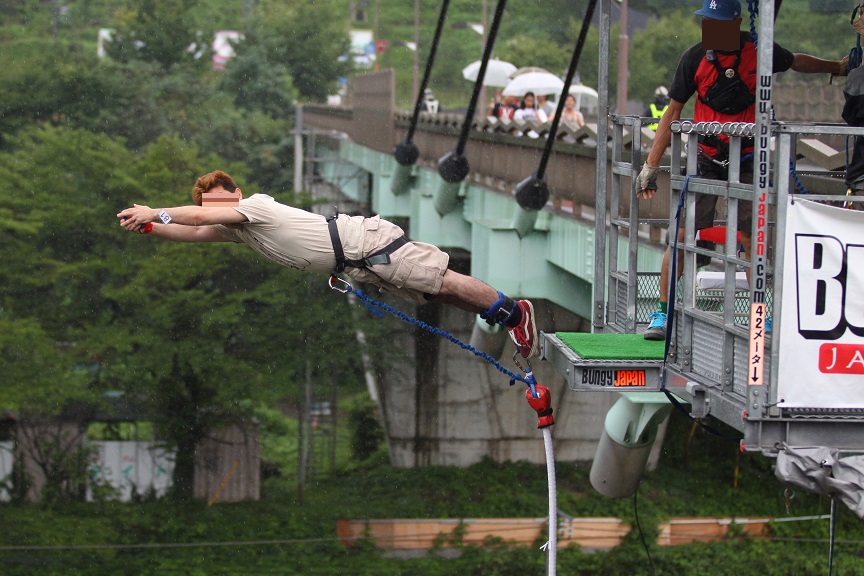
x=605, y=362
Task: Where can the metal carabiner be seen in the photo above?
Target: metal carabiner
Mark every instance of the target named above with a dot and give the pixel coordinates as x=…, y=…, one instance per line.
x=333, y=278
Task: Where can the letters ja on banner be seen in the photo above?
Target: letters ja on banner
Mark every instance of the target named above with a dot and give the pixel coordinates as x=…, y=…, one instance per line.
x=822, y=315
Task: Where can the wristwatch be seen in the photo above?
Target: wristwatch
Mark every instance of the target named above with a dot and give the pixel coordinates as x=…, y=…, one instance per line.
x=163, y=215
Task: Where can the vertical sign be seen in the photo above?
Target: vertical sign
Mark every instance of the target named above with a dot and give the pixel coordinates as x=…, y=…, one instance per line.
x=762, y=180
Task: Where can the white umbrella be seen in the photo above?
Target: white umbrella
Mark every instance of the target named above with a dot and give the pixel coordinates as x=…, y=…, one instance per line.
x=497, y=72
x=526, y=69
x=584, y=93
x=582, y=90
x=536, y=82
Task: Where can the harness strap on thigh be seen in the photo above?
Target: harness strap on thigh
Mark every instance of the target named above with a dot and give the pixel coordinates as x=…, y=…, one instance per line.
x=337, y=243
x=380, y=257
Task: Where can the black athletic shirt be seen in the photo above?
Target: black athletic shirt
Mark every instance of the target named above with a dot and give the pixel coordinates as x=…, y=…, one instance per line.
x=695, y=75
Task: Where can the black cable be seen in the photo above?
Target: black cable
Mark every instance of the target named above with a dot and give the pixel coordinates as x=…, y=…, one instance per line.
x=670, y=323
x=574, y=63
x=532, y=193
x=832, y=531
x=453, y=166
x=639, y=528
x=407, y=153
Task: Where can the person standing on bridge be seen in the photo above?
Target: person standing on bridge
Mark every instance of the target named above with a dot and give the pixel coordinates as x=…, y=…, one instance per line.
x=370, y=250
x=721, y=71
x=657, y=107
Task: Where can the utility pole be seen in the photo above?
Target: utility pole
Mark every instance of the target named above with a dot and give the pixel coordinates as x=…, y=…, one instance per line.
x=623, y=59
x=375, y=37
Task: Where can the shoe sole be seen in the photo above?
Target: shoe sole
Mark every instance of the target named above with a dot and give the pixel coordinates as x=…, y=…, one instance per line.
x=655, y=336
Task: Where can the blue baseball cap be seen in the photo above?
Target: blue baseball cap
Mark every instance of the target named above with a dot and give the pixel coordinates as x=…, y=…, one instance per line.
x=720, y=9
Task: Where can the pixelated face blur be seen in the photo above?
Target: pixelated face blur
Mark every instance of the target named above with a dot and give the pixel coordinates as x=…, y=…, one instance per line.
x=722, y=35
x=220, y=197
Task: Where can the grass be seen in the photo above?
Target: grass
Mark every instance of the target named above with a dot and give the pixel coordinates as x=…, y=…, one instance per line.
x=698, y=476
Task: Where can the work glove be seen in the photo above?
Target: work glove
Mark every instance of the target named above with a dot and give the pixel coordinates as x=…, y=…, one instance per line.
x=646, y=182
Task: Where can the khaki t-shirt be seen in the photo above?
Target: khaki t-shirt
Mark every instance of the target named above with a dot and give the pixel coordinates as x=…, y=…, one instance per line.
x=288, y=236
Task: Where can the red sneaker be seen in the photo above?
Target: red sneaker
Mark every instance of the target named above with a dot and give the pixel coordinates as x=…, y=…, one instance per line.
x=525, y=334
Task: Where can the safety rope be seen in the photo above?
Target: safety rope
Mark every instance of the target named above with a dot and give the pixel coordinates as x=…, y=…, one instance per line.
x=670, y=321
x=376, y=308
x=453, y=166
x=409, y=153
x=855, y=56
x=753, y=8
x=832, y=536
x=541, y=401
x=552, y=548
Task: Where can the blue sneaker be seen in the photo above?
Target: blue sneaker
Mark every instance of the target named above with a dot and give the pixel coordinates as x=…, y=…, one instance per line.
x=657, y=328
x=768, y=324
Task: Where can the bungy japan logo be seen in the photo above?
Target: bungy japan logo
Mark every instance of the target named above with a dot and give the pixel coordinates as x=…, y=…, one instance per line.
x=829, y=278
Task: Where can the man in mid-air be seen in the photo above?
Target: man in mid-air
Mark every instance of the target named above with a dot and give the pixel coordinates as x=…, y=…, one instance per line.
x=370, y=250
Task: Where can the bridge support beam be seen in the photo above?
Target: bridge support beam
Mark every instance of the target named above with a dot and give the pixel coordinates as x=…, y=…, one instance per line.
x=524, y=220
x=488, y=339
x=447, y=197
x=402, y=180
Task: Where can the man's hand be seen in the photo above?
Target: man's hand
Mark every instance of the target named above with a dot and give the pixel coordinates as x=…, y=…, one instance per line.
x=646, y=182
x=843, y=66
x=134, y=219
x=842, y=69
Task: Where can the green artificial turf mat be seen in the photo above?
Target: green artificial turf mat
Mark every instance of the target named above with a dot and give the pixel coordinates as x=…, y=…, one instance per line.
x=612, y=346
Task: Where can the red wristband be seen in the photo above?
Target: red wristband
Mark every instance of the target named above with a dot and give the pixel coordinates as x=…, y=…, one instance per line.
x=148, y=228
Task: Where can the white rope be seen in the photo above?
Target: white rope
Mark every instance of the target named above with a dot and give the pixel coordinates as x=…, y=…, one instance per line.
x=552, y=544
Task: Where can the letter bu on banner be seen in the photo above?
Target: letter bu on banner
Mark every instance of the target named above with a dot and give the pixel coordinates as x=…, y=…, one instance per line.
x=822, y=315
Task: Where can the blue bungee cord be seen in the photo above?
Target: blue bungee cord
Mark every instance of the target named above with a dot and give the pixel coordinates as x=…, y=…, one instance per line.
x=376, y=308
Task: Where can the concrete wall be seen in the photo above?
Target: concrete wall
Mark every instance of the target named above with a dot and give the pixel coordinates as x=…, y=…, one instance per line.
x=445, y=406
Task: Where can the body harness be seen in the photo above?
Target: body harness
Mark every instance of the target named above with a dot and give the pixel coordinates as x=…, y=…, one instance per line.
x=727, y=95
x=380, y=257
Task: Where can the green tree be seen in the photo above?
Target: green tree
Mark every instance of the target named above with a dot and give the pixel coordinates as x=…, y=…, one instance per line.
x=309, y=40
x=161, y=31
x=536, y=49
x=202, y=334
x=655, y=51
x=257, y=80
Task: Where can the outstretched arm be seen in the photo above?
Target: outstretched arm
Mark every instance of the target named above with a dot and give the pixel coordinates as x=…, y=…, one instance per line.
x=188, y=223
x=807, y=64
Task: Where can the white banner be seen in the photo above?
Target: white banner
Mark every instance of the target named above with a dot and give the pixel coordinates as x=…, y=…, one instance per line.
x=822, y=314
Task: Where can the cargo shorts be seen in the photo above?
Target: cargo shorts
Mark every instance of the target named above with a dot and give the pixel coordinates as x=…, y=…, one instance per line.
x=416, y=269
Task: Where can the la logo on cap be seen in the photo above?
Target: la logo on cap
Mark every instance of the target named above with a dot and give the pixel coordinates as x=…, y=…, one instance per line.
x=713, y=5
